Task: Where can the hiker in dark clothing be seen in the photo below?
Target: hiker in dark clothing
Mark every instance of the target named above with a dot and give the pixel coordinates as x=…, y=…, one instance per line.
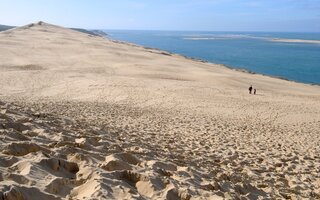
x=254, y=91
x=250, y=89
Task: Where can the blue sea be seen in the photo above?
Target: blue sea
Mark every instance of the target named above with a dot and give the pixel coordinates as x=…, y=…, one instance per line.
x=253, y=51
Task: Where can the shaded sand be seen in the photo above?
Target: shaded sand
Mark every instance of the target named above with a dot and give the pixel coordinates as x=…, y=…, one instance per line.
x=84, y=117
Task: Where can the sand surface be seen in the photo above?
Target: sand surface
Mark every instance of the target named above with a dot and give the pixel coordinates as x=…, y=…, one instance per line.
x=296, y=41
x=85, y=117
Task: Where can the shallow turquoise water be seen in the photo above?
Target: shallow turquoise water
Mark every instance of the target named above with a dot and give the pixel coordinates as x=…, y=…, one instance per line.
x=251, y=51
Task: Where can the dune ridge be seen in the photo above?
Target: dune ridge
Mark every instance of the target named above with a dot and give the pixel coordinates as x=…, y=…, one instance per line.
x=86, y=117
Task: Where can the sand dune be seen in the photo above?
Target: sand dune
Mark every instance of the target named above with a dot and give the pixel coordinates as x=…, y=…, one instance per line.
x=232, y=36
x=296, y=41
x=86, y=117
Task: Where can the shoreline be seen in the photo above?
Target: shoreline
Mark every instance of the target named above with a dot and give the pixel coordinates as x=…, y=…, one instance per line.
x=240, y=69
x=164, y=52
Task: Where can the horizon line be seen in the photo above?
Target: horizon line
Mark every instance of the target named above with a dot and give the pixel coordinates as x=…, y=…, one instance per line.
x=140, y=29
x=111, y=29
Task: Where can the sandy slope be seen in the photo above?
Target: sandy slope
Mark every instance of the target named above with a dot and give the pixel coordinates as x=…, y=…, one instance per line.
x=99, y=119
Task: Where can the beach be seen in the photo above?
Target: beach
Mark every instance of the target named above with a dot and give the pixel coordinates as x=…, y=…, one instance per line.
x=296, y=41
x=87, y=117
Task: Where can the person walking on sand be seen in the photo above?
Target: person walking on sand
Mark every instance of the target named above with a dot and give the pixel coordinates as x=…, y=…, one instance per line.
x=250, y=89
x=254, y=91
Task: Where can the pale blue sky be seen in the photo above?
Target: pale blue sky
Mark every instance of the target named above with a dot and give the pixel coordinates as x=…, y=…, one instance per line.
x=211, y=15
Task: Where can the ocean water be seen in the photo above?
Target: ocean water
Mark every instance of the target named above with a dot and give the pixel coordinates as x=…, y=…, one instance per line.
x=255, y=52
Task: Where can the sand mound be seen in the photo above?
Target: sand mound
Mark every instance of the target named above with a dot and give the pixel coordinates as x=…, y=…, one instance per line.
x=15, y=192
x=20, y=149
x=119, y=162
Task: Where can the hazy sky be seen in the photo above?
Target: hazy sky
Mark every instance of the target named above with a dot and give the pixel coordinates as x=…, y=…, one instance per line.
x=211, y=15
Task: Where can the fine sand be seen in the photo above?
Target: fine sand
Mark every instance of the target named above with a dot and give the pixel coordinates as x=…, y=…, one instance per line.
x=85, y=117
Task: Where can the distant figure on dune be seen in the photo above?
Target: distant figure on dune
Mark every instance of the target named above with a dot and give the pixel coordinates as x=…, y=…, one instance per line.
x=254, y=91
x=250, y=89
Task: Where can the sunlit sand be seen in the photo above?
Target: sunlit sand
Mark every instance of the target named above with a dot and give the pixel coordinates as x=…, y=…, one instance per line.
x=86, y=117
